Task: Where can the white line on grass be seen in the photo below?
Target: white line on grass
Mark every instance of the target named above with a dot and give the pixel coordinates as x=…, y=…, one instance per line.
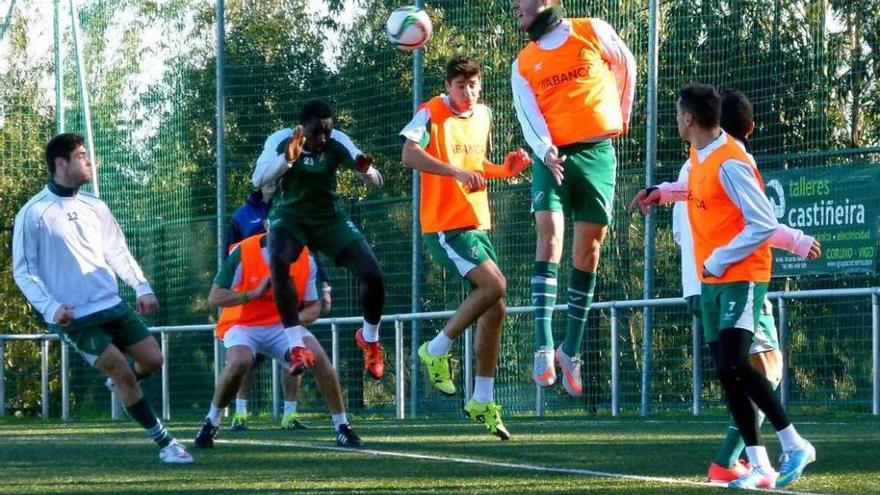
x=527, y=467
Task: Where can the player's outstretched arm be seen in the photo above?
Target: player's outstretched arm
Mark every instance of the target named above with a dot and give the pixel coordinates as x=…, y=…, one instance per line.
x=415, y=157
x=514, y=163
x=796, y=241
x=363, y=167
x=272, y=163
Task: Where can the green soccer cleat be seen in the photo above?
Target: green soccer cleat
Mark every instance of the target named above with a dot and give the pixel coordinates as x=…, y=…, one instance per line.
x=291, y=421
x=489, y=414
x=438, y=370
x=239, y=422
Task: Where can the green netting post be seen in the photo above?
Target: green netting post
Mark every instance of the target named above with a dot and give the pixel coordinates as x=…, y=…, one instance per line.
x=84, y=93
x=415, y=300
x=615, y=362
x=59, y=72
x=2, y=377
x=783, y=346
x=697, y=367
x=65, y=382
x=221, y=127
x=399, y=367
x=875, y=351
x=650, y=163
x=44, y=377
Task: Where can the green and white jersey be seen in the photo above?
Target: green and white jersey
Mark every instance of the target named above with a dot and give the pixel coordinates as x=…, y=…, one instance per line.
x=308, y=187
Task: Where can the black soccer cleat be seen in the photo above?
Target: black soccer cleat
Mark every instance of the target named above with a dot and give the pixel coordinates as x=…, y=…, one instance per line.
x=205, y=438
x=346, y=437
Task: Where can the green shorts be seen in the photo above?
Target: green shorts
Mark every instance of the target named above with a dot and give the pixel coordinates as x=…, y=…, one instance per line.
x=90, y=335
x=731, y=305
x=766, y=337
x=461, y=250
x=327, y=235
x=587, y=190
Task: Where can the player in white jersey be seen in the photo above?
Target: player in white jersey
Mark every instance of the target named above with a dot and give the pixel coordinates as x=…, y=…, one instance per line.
x=67, y=251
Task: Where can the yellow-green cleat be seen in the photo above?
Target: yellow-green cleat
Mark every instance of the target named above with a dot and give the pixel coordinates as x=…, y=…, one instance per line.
x=438, y=370
x=239, y=422
x=489, y=414
x=291, y=421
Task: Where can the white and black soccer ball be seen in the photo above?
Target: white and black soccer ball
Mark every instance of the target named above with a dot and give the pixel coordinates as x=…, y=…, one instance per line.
x=409, y=28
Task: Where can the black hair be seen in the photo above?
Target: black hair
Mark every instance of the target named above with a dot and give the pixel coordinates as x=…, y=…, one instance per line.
x=315, y=109
x=703, y=102
x=61, y=146
x=737, y=115
x=462, y=65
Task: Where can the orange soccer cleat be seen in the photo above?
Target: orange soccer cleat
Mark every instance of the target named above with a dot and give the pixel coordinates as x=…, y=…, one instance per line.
x=373, y=362
x=300, y=360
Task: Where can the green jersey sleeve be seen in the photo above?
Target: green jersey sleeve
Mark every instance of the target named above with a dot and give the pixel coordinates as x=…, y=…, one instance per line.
x=226, y=276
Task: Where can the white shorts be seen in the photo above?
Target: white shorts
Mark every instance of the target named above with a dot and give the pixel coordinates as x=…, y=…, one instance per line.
x=268, y=340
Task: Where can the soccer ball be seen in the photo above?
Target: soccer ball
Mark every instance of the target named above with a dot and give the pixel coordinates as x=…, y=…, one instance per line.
x=409, y=28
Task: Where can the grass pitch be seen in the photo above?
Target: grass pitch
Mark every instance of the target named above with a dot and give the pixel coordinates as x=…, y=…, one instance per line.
x=545, y=456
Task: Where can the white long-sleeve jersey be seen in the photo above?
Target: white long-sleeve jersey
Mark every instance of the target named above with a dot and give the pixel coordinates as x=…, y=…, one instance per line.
x=782, y=237
x=69, y=250
x=272, y=164
x=614, y=52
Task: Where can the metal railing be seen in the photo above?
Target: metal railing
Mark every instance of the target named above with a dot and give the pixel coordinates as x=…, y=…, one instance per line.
x=614, y=307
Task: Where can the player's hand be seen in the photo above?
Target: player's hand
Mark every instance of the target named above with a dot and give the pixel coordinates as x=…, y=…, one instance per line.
x=553, y=161
x=473, y=181
x=815, y=250
x=363, y=163
x=64, y=315
x=372, y=178
x=707, y=273
x=326, y=300
x=295, y=145
x=645, y=198
x=260, y=290
x=147, y=304
x=517, y=161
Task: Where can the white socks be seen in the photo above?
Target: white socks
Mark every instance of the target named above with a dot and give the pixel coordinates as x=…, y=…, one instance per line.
x=241, y=406
x=484, y=389
x=790, y=439
x=214, y=415
x=371, y=332
x=289, y=407
x=295, y=336
x=339, y=420
x=440, y=345
x=758, y=458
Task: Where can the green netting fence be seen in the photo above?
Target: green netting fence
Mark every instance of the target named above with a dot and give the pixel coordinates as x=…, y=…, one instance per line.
x=150, y=67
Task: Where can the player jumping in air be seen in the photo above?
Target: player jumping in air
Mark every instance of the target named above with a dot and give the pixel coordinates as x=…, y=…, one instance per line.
x=573, y=89
x=304, y=212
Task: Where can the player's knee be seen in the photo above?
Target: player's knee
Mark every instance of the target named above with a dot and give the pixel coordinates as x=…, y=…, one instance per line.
x=496, y=287
x=549, y=246
x=151, y=364
x=239, y=364
x=372, y=278
x=499, y=310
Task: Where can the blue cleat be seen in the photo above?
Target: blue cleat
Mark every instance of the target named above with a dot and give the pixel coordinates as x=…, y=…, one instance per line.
x=793, y=463
x=755, y=478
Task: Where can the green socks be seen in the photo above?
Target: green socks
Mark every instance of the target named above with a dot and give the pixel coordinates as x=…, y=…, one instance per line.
x=580, y=296
x=543, y=298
